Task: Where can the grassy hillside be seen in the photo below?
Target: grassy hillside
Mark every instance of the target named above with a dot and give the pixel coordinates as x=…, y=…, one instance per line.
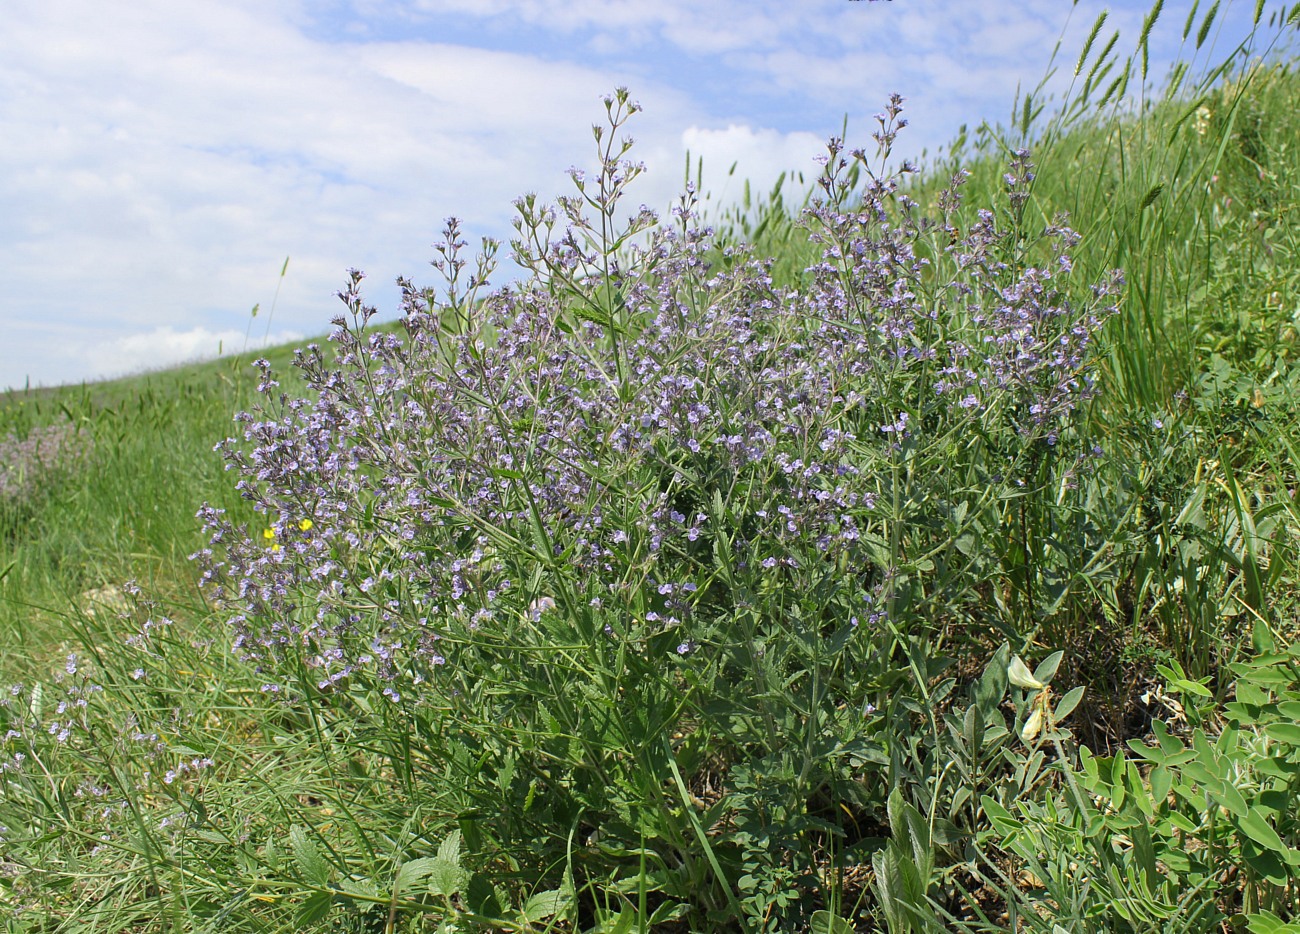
x=881, y=566
x=131, y=459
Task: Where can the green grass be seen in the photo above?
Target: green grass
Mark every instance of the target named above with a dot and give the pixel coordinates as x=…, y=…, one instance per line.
x=339, y=811
x=129, y=513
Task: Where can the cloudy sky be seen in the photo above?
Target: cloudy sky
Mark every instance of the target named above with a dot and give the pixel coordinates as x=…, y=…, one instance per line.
x=159, y=159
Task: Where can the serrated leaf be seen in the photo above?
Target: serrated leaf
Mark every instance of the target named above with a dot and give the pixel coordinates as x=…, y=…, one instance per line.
x=362, y=889
x=1018, y=673
x=315, y=908
x=412, y=873
x=545, y=905
x=446, y=878
x=449, y=850
x=310, y=863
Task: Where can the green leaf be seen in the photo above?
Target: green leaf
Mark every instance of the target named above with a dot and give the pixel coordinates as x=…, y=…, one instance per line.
x=449, y=850
x=446, y=878
x=992, y=685
x=1046, y=669
x=1001, y=818
x=545, y=905
x=667, y=912
x=1266, y=863
x=1268, y=923
x=623, y=924
x=891, y=888
x=1289, y=709
x=1119, y=790
x=1169, y=744
x=412, y=873
x=1278, y=767
x=1284, y=733
x=1230, y=798
x=310, y=863
x=823, y=922
x=445, y=875
x=1161, y=781
x=482, y=897
x=315, y=908
x=1068, y=703
x=1259, y=830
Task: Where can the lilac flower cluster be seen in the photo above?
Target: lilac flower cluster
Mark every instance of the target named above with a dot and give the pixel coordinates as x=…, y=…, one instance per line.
x=588, y=441
x=46, y=452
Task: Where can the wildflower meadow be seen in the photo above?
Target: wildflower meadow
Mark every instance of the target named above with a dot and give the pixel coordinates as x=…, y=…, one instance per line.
x=918, y=553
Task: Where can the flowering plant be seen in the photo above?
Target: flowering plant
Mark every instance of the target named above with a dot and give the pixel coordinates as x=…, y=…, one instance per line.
x=647, y=514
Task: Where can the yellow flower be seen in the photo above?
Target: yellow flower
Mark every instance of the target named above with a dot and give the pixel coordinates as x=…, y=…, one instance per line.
x=305, y=525
x=268, y=534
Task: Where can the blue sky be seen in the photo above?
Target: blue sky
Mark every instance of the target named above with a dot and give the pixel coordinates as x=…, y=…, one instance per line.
x=160, y=159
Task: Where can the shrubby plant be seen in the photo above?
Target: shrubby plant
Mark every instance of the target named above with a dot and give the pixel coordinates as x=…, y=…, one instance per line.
x=33, y=464
x=640, y=558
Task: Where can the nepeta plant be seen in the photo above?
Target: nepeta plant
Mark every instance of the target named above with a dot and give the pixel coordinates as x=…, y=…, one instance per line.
x=634, y=517
x=35, y=467
x=43, y=456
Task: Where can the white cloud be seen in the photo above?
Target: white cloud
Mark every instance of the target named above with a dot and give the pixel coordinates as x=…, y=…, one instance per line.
x=88, y=353
x=166, y=346
x=161, y=158
x=758, y=155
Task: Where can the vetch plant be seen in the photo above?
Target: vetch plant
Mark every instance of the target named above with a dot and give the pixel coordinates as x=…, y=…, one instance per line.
x=601, y=550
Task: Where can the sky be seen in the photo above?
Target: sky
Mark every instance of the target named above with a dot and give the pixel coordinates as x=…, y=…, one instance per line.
x=160, y=160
